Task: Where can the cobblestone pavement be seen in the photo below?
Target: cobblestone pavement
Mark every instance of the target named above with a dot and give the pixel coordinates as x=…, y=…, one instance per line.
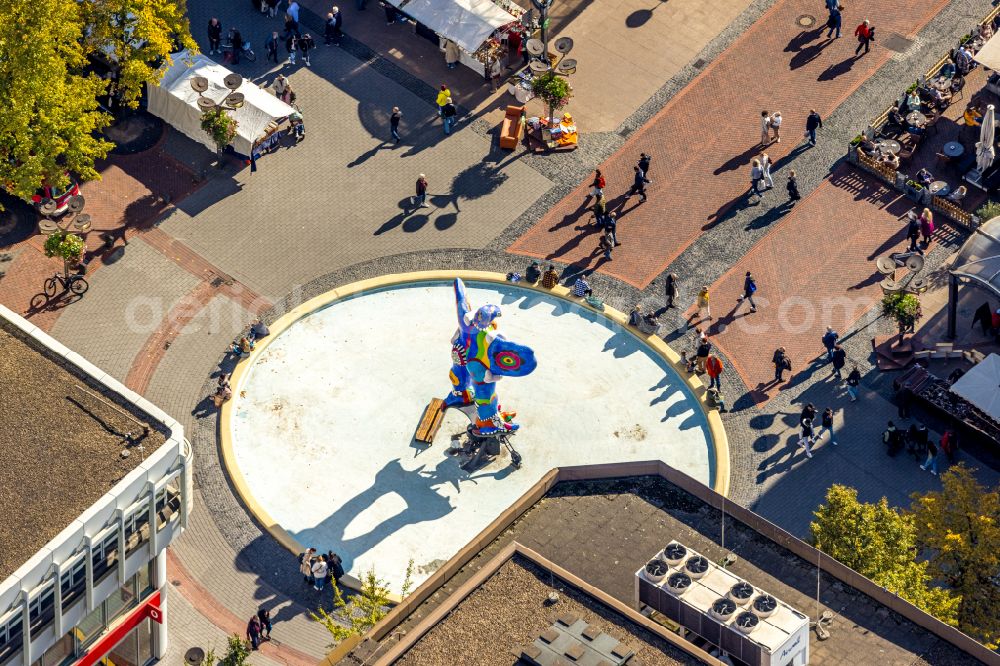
x=704, y=138
x=240, y=242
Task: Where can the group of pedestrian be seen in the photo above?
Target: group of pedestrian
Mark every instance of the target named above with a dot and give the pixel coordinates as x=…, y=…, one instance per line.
x=761, y=179
x=607, y=220
x=918, y=442
x=317, y=569
x=446, y=108
x=259, y=628
x=920, y=226
x=865, y=32
x=808, y=437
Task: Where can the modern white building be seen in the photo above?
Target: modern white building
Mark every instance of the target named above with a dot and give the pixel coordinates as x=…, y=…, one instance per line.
x=95, y=482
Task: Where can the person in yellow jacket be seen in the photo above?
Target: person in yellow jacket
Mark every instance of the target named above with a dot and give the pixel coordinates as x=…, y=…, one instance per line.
x=704, y=311
x=442, y=98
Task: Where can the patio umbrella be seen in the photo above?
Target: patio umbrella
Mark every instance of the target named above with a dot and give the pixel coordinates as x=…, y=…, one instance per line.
x=981, y=385
x=984, y=149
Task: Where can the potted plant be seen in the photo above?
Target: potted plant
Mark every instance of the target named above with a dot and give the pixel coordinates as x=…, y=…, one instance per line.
x=552, y=89
x=220, y=126
x=68, y=246
x=904, y=309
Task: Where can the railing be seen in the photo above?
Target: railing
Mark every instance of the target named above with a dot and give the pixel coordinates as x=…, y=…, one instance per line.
x=881, y=169
x=953, y=211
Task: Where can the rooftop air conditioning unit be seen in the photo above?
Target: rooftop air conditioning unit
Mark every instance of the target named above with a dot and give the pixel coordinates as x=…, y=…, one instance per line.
x=743, y=621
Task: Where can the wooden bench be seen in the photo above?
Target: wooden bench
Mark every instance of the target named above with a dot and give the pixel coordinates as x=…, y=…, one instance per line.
x=431, y=421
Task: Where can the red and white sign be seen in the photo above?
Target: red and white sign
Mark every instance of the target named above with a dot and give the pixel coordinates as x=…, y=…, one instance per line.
x=149, y=608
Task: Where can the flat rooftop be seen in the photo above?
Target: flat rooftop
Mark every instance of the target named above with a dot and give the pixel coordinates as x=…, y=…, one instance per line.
x=604, y=531
x=509, y=610
x=60, y=445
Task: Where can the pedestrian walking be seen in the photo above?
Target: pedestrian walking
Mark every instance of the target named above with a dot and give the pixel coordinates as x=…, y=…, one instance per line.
x=808, y=412
x=638, y=185
x=793, y=187
x=949, y=444
x=865, y=34
x=831, y=5
x=834, y=21
x=236, y=41
x=853, y=381
x=607, y=243
x=765, y=166
x=830, y=341
x=600, y=210
x=839, y=358
x=931, y=464
x=893, y=439
x=421, y=199
x=702, y=302
x=756, y=175
x=643, y=165
x=264, y=616
x=214, y=36
x=927, y=226
x=781, y=363
x=597, y=187
x=319, y=571
x=442, y=98
x=448, y=113
x=329, y=29
x=826, y=423
x=713, y=366
x=253, y=632
x=306, y=45
x=806, y=436
x=765, y=128
x=670, y=288
x=813, y=123
x=305, y=565
x=338, y=22
x=749, y=289
x=271, y=48
x=918, y=439
x=291, y=26
x=776, y=126
x=291, y=45
x=913, y=233
x=293, y=10
x=452, y=54
x=281, y=85
x=272, y=7
x=394, y=123
x=702, y=353
x=611, y=226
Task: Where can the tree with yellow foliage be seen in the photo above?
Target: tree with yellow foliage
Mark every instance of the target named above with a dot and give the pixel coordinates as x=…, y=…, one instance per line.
x=959, y=529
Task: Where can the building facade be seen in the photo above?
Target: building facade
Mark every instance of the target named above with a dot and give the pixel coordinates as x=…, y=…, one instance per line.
x=95, y=594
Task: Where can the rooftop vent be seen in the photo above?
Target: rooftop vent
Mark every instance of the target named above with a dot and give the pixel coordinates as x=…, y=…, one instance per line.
x=723, y=609
x=741, y=593
x=674, y=553
x=747, y=621
x=678, y=583
x=765, y=605
x=697, y=566
x=656, y=570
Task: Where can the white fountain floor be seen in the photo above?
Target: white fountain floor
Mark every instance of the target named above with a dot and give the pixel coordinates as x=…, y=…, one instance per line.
x=324, y=420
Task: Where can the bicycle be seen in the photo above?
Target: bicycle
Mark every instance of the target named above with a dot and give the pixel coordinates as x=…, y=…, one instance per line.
x=246, y=51
x=75, y=284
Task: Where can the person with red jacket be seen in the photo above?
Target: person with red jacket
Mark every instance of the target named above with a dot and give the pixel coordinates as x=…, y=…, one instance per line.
x=597, y=185
x=865, y=34
x=713, y=366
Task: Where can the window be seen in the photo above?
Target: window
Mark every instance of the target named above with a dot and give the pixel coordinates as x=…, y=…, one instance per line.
x=58, y=654
x=168, y=505
x=41, y=609
x=120, y=601
x=144, y=580
x=73, y=583
x=105, y=556
x=11, y=636
x=137, y=528
x=90, y=626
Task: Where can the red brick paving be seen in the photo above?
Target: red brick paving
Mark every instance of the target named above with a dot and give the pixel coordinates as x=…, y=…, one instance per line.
x=813, y=270
x=203, y=602
x=703, y=140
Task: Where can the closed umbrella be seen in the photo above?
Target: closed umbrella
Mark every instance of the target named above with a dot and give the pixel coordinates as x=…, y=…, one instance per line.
x=984, y=149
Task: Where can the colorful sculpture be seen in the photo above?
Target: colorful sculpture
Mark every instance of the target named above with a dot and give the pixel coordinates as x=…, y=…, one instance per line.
x=480, y=357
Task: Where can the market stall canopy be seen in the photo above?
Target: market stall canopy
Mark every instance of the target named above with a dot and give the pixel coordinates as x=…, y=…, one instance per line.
x=979, y=258
x=177, y=103
x=468, y=23
x=989, y=55
x=981, y=386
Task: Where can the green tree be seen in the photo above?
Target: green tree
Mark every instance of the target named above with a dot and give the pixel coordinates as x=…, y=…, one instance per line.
x=356, y=616
x=69, y=247
x=904, y=309
x=959, y=527
x=50, y=121
x=137, y=35
x=552, y=89
x=879, y=542
x=238, y=651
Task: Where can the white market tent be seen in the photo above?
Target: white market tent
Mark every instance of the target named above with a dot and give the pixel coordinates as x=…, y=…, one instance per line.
x=177, y=103
x=981, y=386
x=989, y=55
x=468, y=23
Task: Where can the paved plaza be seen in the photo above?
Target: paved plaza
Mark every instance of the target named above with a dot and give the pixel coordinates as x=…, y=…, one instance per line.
x=212, y=246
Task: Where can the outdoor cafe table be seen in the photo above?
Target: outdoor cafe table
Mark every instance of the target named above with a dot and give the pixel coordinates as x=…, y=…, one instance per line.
x=916, y=118
x=939, y=188
x=953, y=149
x=888, y=146
x=942, y=84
